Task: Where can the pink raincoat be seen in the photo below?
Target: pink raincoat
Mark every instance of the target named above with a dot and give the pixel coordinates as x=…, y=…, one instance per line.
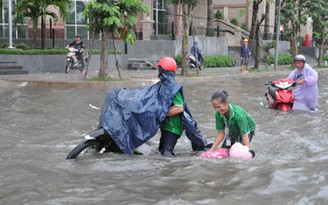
x=306, y=94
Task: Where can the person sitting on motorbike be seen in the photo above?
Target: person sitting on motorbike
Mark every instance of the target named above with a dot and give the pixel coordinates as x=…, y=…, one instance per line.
x=306, y=94
x=241, y=126
x=197, y=52
x=79, y=45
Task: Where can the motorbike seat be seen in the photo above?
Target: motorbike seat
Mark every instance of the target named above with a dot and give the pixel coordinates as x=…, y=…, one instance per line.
x=271, y=90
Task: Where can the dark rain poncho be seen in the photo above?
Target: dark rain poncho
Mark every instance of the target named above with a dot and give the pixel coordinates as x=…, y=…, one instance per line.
x=133, y=116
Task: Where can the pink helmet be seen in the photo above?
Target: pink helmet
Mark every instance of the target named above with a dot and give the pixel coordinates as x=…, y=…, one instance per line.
x=238, y=150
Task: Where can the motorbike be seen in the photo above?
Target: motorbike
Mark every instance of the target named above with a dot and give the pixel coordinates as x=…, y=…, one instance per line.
x=97, y=141
x=279, y=95
x=70, y=61
x=193, y=62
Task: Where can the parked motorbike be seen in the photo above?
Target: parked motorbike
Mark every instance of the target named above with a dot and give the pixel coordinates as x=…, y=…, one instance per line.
x=278, y=94
x=70, y=61
x=193, y=62
x=97, y=141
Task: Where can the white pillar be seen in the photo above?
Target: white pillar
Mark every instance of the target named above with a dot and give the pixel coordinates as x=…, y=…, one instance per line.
x=10, y=24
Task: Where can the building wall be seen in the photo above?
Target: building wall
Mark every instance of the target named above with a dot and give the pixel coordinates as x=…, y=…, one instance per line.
x=237, y=9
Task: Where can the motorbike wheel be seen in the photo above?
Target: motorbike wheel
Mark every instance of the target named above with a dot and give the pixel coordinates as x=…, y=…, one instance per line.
x=88, y=147
x=68, y=65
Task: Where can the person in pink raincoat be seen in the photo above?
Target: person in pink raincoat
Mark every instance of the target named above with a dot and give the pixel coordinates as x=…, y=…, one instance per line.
x=306, y=78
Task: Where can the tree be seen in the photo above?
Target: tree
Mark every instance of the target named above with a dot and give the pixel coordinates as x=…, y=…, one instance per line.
x=318, y=10
x=256, y=5
x=266, y=23
x=293, y=13
x=112, y=19
x=210, y=28
x=38, y=8
x=187, y=7
x=257, y=42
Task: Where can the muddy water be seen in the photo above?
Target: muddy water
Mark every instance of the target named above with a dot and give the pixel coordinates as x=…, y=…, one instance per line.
x=39, y=126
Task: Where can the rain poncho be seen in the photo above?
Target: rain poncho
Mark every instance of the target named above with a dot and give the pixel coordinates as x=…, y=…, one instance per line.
x=133, y=116
x=306, y=94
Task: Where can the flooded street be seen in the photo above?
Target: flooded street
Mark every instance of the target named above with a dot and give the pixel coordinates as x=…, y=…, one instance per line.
x=40, y=126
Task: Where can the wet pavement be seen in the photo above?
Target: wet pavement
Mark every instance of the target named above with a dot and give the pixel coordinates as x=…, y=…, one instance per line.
x=130, y=78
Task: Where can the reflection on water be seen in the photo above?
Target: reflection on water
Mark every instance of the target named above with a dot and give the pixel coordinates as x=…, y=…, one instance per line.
x=39, y=126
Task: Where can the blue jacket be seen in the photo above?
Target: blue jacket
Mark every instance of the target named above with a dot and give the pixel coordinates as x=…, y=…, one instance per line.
x=245, y=52
x=133, y=116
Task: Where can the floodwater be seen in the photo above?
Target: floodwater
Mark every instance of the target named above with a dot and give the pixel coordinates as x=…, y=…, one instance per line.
x=39, y=127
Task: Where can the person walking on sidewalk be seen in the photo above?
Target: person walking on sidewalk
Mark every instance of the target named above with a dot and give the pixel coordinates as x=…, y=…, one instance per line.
x=245, y=54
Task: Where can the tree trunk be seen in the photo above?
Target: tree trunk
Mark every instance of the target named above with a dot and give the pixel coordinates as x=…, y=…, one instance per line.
x=43, y=32
x=257, y=39
x=104, y=55
x=266, y=24
x=85, y=71
x=257, y=49
x=117, y=64
x=275, y=19
x=321, y=48
x=210, y=27
x=293, y=39
x=254, y=18
x=185, y=39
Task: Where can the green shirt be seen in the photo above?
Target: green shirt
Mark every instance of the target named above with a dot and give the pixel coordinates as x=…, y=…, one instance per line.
x=239, y=124
x=173, y=123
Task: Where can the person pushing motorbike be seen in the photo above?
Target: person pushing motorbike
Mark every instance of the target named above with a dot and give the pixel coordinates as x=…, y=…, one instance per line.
x=306, y=94
x=133, y=116
x=171, y=127
x=79, y=45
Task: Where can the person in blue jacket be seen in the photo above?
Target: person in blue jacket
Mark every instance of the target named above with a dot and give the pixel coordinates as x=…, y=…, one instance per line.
x=171, y=127
x=133, y=116
x=245, y=54
x=197, y=52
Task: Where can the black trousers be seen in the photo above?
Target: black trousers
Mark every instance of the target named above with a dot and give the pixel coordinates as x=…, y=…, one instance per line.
x=79, y=57
x=234, y=140
x=167, y=142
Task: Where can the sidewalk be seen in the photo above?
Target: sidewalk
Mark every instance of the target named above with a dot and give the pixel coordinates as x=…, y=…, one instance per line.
x=131, y=78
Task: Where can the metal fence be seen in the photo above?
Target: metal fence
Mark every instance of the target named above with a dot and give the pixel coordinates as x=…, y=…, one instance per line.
x=57, y=34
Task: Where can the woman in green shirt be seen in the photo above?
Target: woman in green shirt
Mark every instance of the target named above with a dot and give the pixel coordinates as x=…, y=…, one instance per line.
x=240, y=125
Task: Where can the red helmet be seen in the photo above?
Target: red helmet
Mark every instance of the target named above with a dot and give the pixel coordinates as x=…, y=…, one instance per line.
x=168, y=63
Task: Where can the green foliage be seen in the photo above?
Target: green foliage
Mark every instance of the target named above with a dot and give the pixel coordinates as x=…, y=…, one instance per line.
x=97, y=78
x=117, y=17
x=22, y=46
x=218, y=61
x=325, y=57
x=37, y=8
x=218, y=15
x=178, y=60
x=211, y=61
x=234, y=21
x=282, y=59
x=244, y=26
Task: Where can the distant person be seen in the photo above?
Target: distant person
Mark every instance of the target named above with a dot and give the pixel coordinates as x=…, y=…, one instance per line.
x=245, y=54
x=306, y=78
x=197, y=52
x=79, y=45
